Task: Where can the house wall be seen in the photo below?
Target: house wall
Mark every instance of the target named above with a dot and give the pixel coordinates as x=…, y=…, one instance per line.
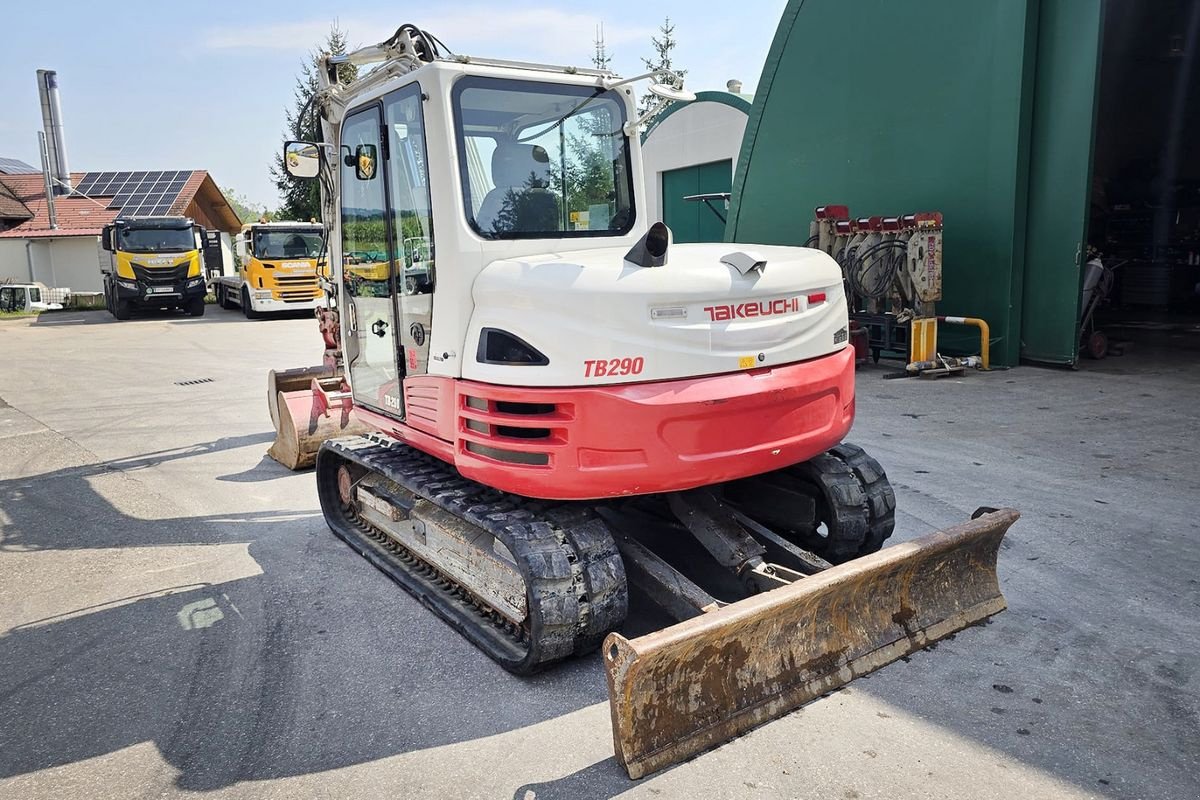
x=68, y=263
x=76, y=263
x=14, y=267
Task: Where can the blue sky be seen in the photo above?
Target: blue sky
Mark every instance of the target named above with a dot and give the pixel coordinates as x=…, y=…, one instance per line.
x=154, y=85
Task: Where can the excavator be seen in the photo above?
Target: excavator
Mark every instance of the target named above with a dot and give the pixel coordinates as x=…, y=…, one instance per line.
x=559, y=408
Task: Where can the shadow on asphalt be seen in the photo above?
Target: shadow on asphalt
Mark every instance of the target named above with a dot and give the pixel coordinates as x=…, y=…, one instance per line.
x=267, y=469
x=318, y=663
x=213, y=315
x=600, y=781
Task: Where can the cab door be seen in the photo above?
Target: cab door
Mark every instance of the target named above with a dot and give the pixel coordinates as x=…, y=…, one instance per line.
x=368, y=277
x=411, y=225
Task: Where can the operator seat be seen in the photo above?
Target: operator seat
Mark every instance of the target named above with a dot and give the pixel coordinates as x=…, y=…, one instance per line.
x=521, y=200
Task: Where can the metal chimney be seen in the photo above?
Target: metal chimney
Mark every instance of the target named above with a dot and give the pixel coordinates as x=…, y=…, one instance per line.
x=52, y=125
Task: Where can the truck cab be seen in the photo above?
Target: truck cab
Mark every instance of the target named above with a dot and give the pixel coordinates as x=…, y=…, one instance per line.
x=154, y=263
x=277, y=269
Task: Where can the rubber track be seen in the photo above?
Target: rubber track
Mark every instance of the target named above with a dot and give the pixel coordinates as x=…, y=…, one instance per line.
x=858, y=502
x=848, y=520
x=881, y=498
x=574, y=575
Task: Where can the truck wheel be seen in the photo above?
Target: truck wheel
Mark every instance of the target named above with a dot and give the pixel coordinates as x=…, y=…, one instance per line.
x=223, y=298
x=248, y=309
x=122, y=309
x=195, y=307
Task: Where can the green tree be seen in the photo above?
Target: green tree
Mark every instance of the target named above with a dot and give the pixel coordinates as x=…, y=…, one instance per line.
x=245, y=209
x=663, y=45
x=301, y=199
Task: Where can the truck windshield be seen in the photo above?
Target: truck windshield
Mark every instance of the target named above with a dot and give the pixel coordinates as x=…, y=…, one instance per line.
x=286, y=244
x=156, y=240
x=542, y=160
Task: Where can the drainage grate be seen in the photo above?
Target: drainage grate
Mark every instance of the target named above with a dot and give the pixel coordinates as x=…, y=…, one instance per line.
x=193, y=382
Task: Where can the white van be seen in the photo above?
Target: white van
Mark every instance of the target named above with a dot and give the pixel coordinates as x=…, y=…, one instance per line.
x=24, y=297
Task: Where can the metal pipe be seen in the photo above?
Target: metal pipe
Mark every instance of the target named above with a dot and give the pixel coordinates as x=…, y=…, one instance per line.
x=52, y=125
x=984, y=335
x=47, y=180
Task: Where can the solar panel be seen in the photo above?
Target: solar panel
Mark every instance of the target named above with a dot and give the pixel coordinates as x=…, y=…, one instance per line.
x=137, y=194
x=15, y=166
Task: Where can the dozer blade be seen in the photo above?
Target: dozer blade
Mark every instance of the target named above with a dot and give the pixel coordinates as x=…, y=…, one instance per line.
x=305, y=422
x=291, y=380
x=685, y=689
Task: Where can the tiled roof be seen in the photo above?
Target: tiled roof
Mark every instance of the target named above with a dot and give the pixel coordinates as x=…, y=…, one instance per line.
x=83, y=216
x=10, y=206
x=76, y=216
x=188, y=192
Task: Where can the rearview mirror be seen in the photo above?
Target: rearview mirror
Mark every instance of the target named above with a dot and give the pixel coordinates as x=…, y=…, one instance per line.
x=301, y=159
x=668, y=92
x=365, y=161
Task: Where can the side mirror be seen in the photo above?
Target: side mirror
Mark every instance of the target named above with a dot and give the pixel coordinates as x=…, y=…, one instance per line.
x=200, y=239
x=302, y=159
x=366, y=161
x=106, y=238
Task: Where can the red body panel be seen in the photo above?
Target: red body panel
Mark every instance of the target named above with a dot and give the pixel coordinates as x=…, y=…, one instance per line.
x=606, y=441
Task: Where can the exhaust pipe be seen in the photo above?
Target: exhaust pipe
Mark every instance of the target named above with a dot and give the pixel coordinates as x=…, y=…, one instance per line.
x=52, y=125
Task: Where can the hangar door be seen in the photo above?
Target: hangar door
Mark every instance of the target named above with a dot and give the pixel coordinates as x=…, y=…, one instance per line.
x=692, y=221
x=1060, y=169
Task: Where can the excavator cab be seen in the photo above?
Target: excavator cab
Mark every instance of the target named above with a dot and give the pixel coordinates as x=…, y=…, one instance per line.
x=556, y=402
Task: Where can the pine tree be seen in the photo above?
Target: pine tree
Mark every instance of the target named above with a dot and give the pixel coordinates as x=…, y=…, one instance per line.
x=662, y=59
x=301, y=199
x=600, y=58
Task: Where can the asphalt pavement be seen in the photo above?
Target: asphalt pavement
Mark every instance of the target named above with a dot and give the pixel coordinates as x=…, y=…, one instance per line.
x=176, y=618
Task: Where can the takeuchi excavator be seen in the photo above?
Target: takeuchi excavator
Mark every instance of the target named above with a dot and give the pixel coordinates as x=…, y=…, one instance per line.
x=560, y=404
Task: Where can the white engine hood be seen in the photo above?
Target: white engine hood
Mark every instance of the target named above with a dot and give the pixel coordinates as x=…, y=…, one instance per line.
x=693, y=316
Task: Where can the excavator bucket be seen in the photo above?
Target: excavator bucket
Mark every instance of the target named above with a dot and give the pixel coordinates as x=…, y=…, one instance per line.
x=291, y=380
x=306, y=419
x=685, y=689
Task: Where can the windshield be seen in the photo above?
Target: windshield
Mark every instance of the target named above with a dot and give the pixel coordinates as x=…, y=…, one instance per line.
x=542, y=160
x=286, y=244
x=156, y=240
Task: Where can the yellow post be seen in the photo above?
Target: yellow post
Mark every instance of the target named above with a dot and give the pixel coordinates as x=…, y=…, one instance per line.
x=984, y=335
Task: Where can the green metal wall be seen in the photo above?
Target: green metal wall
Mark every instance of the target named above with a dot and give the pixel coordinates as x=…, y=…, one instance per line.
x=1060, y=177
x=691, y=221
x=901, y=107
